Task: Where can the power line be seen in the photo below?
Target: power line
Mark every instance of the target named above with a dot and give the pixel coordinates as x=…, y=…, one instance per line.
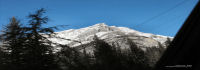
x=162, y=13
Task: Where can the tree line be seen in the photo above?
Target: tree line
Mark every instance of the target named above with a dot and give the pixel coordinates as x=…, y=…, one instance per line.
x=26, y=48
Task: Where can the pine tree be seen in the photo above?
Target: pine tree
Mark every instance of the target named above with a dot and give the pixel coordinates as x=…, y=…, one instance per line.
x=12, y=42
x=136, y=57
x=167, y=42
x=26, y=47
x=70, y=58
x=29, y=49
x=105, y=55
x=39, y=50
x=3, y=61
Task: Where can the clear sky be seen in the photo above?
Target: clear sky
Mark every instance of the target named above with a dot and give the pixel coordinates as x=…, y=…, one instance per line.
x=162, y=17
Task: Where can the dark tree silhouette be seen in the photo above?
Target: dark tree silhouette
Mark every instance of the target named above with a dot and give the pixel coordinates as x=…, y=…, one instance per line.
x=4, y=64
x=13, y=40
x=106, y=57
x=167, y=43
x=39, y=52
x=135, y=58
x=27, y=47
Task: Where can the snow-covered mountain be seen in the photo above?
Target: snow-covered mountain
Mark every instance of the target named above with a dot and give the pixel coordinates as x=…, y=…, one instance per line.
x=110, y=34
x=153, y=45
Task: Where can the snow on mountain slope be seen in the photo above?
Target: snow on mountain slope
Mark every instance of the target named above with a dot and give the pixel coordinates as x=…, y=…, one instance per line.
x=108, y=33
x=83, y=39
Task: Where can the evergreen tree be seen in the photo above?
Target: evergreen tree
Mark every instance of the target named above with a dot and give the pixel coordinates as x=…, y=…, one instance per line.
x=13, y=40
x=136, y=59
x=39, y=50
x=87, y=60
x=70, y=58
x=105, y=56
x=26, y=47
x=167, y=42
x=3, y=61
x=153, y=54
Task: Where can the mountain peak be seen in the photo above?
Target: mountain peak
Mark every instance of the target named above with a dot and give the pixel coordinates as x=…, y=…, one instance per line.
x=109, y=33
x=100, y=24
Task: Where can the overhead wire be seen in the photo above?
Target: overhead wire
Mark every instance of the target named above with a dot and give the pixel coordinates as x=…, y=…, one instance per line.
x=160, y=14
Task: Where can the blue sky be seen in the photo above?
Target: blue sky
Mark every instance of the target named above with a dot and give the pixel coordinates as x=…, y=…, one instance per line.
x=162, y=17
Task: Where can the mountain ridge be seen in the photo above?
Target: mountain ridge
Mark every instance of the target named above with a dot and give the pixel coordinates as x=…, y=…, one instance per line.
x=82, y=39
x=103, y=31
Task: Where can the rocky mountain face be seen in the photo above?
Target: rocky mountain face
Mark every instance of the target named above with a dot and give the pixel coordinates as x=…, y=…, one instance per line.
x=152, y=45
x=110, y=34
